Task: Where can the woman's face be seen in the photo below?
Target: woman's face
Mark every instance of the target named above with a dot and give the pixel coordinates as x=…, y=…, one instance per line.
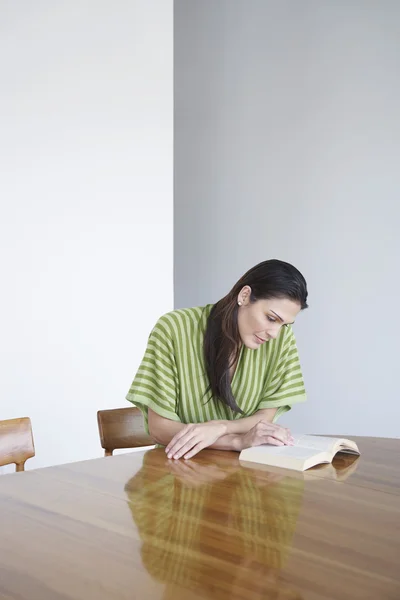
x=262, y=320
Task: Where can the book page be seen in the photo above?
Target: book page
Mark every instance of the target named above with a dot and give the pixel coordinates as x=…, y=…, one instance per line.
x=320, y=443
x=348, y=446
x=325, y=444
x=298, y=452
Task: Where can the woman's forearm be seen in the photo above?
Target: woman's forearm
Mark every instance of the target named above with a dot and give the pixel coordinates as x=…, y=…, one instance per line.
x=239, y=426
x=230, y=441
x=162, y=430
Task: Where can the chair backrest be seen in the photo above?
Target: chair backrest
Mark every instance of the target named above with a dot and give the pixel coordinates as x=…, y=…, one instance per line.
x=16, y=442
x=122, y=428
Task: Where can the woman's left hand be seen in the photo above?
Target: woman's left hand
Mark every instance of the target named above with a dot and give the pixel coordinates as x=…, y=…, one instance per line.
x=193, y=438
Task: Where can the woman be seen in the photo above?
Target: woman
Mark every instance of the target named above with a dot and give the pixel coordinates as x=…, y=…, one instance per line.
x=221, y=375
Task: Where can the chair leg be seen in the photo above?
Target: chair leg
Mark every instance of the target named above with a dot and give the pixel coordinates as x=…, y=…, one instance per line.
x=19, y=467
x=108, y=452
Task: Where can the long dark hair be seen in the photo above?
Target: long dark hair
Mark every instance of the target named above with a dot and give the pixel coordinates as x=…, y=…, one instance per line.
x=268, y=279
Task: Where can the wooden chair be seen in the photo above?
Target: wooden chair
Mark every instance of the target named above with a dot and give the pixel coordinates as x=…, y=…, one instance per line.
x=122, y=428
x=16, y=442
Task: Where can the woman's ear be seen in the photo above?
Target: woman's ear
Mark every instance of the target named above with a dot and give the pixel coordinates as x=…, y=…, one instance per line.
x=244, y=296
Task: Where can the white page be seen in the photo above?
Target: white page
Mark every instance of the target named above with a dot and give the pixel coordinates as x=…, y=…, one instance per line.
x=320, y=443
x=299, y=452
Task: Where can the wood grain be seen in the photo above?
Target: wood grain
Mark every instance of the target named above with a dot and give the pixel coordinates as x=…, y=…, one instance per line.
x=122, y=428
x=16, y=442
x=140, y=526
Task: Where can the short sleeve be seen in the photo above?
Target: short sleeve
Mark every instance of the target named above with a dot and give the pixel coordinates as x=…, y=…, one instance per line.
x=156, y=382
x=285, y=386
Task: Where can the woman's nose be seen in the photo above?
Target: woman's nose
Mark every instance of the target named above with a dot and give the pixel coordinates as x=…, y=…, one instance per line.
x=272, y=332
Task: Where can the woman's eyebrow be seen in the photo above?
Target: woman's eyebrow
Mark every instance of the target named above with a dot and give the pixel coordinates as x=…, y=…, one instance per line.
x=280, y=318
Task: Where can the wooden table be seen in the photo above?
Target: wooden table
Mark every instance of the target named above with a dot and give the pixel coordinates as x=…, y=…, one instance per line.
x=140, y=526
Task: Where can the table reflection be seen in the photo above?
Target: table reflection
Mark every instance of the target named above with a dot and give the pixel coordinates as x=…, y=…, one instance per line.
x=214, y=528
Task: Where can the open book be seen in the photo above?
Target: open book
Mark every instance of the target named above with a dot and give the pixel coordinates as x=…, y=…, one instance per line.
x=308, y=451
x=342, y=467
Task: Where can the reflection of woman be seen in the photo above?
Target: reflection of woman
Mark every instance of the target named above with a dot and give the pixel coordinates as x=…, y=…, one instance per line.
x=220, y=376
x=216, y=529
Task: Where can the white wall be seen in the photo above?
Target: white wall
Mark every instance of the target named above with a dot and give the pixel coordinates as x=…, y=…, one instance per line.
x=287, y=145
x=85, y=209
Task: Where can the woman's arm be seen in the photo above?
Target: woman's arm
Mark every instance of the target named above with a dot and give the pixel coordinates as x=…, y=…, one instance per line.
x=162, y=430
x=246, y=423
x=188, y=440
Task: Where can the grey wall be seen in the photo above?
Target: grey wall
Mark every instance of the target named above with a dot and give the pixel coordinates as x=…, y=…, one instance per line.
x=287, y=123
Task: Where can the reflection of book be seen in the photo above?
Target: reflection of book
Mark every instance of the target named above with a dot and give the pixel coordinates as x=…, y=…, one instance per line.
x=307, y=451
x=341, y=468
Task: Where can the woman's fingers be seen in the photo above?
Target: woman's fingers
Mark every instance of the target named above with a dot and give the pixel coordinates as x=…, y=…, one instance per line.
x=195, y=450
x=176, y=438
x=277, y=432
x=173, y=452
x=173, y=448
x=269, y=439
x=183, y=449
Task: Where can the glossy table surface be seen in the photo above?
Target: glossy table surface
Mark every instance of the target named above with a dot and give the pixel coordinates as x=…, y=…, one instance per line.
x=140, y=526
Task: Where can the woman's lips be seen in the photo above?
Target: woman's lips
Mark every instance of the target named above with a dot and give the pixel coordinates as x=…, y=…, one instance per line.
x=259, y=340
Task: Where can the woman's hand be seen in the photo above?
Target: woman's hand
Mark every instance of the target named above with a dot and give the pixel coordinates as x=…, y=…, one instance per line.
x=193, y=438
x=267, y=433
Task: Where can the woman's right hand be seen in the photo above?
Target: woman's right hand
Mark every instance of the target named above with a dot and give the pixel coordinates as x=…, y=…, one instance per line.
x=266, y=433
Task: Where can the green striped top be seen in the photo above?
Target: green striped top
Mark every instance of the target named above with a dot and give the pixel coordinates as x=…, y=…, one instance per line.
x=172, y=381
